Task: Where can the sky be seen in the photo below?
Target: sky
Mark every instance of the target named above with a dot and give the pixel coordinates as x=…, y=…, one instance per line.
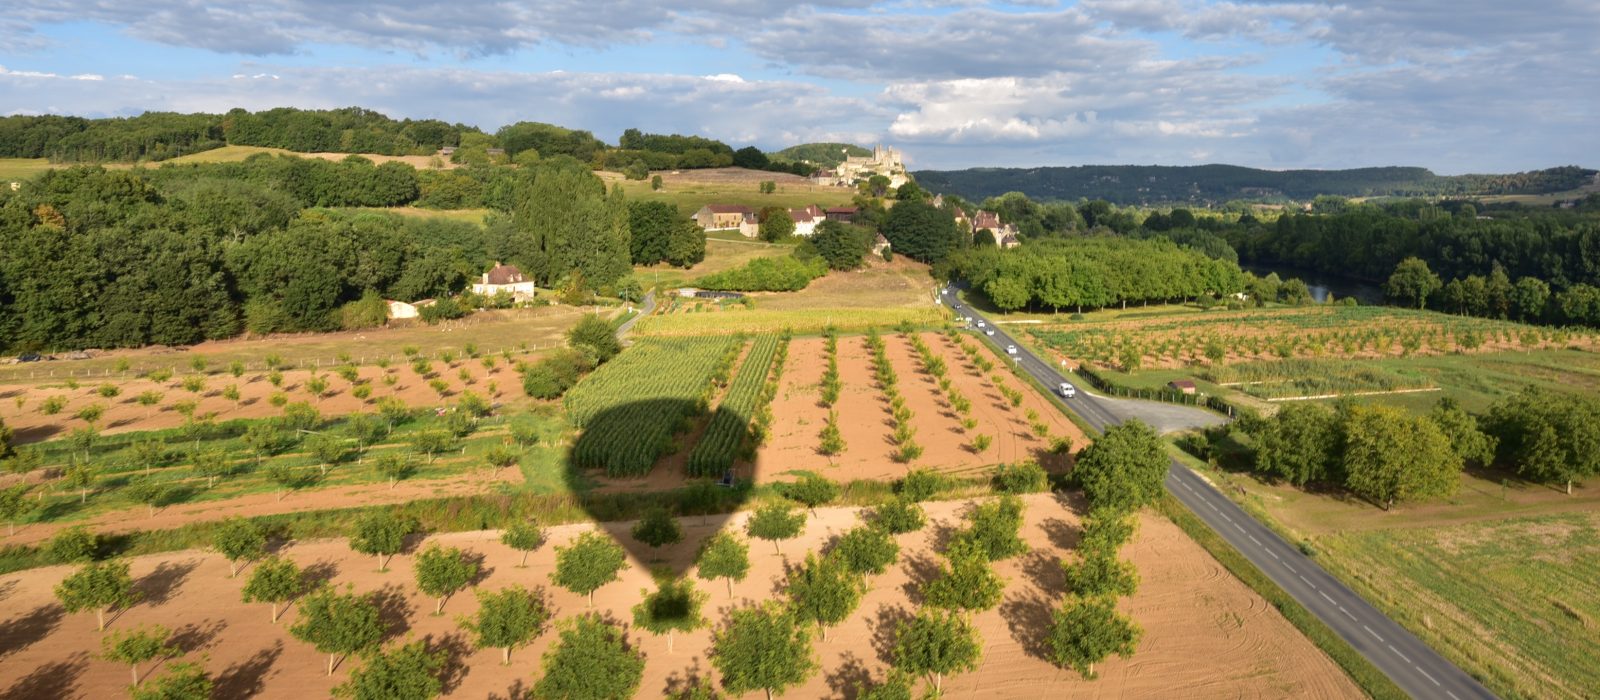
x=1454, y=85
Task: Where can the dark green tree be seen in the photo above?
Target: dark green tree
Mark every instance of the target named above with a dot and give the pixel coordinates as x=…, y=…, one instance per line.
x=406, y=672
x=338, y=624
x=936, y=643
x=591, y=661
x=762, y=648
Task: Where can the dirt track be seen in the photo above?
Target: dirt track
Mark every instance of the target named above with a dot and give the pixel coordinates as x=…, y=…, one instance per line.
x=1206, y=635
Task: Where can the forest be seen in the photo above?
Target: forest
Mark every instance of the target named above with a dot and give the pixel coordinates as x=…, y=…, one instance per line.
x=1216, y=184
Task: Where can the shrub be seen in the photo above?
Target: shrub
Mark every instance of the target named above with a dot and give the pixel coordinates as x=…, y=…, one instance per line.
x=1027, y=477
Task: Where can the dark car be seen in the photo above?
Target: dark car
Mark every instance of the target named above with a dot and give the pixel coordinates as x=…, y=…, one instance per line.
x=30, y=357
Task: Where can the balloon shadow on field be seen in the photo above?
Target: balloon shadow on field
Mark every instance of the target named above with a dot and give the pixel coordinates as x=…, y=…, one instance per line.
x=621, y=467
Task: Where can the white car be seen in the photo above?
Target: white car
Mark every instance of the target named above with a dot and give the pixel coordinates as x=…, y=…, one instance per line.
x=981, y=324
x=1011, y=349
x=1067, y=390
x=989, y=332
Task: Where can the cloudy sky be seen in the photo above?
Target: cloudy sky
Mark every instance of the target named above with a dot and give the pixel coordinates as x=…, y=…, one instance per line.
x=1454, y=85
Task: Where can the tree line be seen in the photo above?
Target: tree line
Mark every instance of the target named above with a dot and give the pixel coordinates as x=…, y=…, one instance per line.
x=1387, y=455
x=1094, y=272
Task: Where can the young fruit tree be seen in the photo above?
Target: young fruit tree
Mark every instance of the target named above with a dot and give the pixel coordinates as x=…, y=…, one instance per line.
x=441, y=572
x=97, y=586
x=591, y=561
x=508, y=619
x=1101, y=573
x=898, y=516
x=240, y=541
x=1124, y=469
x=523, y=536
x=277, y=581
x=811, y=491
x=866, y=550
x=1086, y=631
x=408, y=672
x=967, y=583
x=591, y=661
x=338, y=624
x=824, y=591
x=185, y=680
x=13, y=505
x=723, y=556
x=136, y=646
x=673, y=607
x=74, y=545
x=762, y=648
x=774, y=522
x=936, y=643
x=382, y=534
x=392, y=466
x=657, y=528
x=993, y=527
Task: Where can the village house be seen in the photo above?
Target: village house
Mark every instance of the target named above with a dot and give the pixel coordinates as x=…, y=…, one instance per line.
x=879, y=245
x=723, y=217
x=401, y=310
x=1005, y=235
x=807, y=219
x=843, y=215
x=505, y=278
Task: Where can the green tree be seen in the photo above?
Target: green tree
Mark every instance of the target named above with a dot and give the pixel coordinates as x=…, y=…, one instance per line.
x=441, y=572
x=1412, y=283
x=276, y=581
x=596, y=334
x=936, y=643
x=775, y=522
x=921, y=232
x=1126, y=468
x=762, y=648
x=1301, y=444
x=1392, y=456
x=723, y=556
x=898, y=516
x=13, y=505
x=1551, y=437
x=407, y=672
x=811, y=490
x=392, y=466
x=432, y=442
x=1098, y=572
x=1461, y=430
x=382, y=533
x=97, y=586
x=866, y=550
x=994, y=526
x=328, y=450
x=212, y=464
x=523, y=536
x=509, y=618
x=657, y=528
x=591, y=561
x=136, y=646
x=968, y=582
x=74, y=545
x=185, y=680
x=844, y=246
x=79, y=476
x=240, y=540
x=776, y=224
x=338, y=624
x=591, y=661
x=1086, y=631
x=824, y=591
x=673, y=607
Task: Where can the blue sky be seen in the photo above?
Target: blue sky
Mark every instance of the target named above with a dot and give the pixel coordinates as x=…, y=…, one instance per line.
x=1454, y=85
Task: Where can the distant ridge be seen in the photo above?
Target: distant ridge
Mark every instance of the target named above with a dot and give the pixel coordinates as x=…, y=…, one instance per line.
x=1214, y=184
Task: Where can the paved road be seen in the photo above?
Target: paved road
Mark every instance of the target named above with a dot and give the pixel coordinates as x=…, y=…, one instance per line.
x=1411, y=664
x=646, y=309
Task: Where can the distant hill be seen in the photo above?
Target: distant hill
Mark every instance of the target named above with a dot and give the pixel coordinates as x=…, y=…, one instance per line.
x=825, y=154
x=1214, y=184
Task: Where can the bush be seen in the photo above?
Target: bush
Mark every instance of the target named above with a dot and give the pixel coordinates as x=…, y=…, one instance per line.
x=552, y=376
x=441, y=310
x=786, y=274
x=899, y=516
x=921, y=485
x=1026, y=477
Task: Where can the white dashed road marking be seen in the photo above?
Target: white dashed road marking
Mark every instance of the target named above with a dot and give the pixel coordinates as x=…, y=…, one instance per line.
x=1325, y=597
x=1308, y=583
x=1397, y=653
x=1369, y=631
x=1347, y=613
x=1291, y=569
x=1425, y=674
x=1253, y=539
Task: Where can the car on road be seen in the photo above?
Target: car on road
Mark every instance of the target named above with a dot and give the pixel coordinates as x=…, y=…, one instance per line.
x=981, y=324
x=1067, y=390
x=1011, y=349
x=989, y=332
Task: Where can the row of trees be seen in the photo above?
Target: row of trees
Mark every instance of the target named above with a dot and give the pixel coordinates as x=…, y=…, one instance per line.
x=1094, y=272
x=1529, y=299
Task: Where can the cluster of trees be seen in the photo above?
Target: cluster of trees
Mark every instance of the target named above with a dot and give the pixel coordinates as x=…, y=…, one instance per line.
x=1154, y=184
x=1379, y=453
x=590, y=342
x=1386, y=455
x=310, y=182
x=789, y=273
x=1094, y=272
x=660, y=233
x=346, y=130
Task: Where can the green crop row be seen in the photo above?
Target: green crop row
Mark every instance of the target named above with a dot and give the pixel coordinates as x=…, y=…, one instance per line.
x=729, y=430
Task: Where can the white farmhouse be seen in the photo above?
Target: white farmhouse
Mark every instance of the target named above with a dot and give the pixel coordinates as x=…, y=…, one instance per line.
x=504, y=278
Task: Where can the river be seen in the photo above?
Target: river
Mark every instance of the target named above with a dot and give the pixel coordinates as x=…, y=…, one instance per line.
x=1322, y=284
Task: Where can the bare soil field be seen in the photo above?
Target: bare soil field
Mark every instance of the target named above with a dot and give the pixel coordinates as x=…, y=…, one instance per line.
x=1189, y=607
x=864, y=416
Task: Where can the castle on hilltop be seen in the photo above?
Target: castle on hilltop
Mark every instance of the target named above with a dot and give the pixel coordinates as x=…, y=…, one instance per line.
x=883, y=161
